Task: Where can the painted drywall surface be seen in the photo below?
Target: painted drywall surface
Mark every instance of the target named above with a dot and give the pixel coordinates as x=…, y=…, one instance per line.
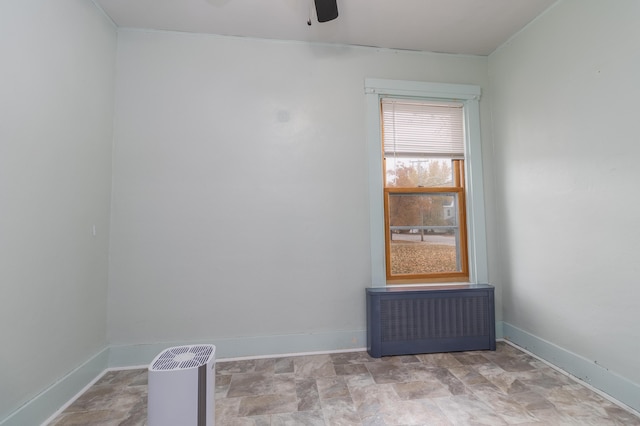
x=565, y=106
x=240, y=184
x=56, y=108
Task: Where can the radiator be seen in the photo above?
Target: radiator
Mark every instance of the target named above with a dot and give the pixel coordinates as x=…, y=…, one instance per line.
x=427, y=319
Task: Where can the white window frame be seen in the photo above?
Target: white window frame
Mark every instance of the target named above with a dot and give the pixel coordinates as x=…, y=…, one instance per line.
x=469, y=95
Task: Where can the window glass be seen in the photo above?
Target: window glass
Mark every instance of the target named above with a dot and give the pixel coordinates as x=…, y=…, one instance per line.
x=418, y=171
x=424, y=234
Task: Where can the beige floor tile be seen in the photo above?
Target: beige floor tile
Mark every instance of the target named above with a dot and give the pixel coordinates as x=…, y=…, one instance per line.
x=469, y=388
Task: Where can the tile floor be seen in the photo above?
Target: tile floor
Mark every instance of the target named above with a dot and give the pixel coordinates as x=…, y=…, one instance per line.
x=465, y=388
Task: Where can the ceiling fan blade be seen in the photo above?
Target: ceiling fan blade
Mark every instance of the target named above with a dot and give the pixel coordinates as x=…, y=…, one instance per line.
x=326, y=10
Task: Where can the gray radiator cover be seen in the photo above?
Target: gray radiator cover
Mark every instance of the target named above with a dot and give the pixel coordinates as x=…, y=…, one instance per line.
x=427, y=319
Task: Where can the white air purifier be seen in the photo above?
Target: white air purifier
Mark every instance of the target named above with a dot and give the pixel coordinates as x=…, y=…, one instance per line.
x=182, y=387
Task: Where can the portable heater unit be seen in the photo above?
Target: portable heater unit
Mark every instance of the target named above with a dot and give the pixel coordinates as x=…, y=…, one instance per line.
x=181, y=387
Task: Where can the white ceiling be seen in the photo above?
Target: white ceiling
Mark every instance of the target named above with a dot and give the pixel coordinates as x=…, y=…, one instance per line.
x=475, y=27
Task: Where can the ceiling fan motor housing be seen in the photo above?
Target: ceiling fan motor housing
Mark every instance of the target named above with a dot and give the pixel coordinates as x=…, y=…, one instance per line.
x=326, y=10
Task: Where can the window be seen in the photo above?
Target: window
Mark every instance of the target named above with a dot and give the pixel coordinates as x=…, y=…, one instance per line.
x=426, y=192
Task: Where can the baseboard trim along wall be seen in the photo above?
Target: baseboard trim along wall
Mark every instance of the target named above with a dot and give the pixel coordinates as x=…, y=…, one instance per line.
x=49, y=402
x=66, y=389
x=587, y=371
x=59, y=395
x=244, y=347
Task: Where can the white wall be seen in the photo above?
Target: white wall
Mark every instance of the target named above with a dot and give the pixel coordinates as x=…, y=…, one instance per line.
x=240, y=191
x=565, y=110
x=56, y=103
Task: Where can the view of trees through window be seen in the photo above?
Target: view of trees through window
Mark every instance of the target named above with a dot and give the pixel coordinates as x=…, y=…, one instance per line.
x=422, y=213
x=419, y=171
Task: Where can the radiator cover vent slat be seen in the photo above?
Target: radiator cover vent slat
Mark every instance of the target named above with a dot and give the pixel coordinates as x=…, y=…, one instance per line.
x=430, y=319
x=415, y=319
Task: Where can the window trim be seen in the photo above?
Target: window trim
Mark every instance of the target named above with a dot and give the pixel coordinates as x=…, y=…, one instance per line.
x=469, y=96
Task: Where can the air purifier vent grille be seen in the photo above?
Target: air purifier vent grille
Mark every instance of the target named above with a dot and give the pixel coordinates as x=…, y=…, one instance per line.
x=182, y=357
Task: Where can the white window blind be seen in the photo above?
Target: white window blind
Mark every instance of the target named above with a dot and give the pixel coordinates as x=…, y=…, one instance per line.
x=419, y=128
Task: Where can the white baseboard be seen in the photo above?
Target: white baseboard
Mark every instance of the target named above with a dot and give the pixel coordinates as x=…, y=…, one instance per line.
x=46, y=405
x=247, y=347
x=499, y=330
x=587, y=371
x=61, y=392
